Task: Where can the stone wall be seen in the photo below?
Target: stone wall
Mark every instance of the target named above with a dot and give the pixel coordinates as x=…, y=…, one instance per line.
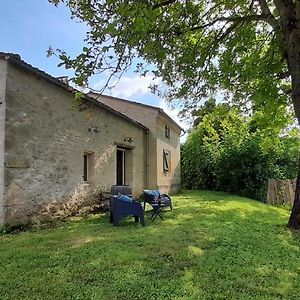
x=146, y=115
x=45, y=142
x=3, y=72
x=168, y=182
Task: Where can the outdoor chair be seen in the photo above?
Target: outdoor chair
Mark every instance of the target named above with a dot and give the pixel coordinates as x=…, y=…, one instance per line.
x=122, y=205
x=152, y=197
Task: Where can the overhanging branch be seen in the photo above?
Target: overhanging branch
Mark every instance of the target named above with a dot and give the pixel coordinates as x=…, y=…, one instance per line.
x=162, y=4
x=236, y=19
x=268, y=15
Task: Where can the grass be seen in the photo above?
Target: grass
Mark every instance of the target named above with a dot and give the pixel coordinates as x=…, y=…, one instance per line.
x=211, y=246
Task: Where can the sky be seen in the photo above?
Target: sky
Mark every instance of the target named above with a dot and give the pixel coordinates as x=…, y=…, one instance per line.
x=30, y=27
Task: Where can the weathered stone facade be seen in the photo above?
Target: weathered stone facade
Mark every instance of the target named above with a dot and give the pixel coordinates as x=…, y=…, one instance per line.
x=3, y=74
x=56, y=159
x=43, y=141
x=156, y=120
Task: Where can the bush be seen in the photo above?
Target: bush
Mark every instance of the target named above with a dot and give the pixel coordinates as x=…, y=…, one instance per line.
x=225, y=153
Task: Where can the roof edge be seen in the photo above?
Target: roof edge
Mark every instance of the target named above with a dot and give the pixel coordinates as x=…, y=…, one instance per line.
x=16, y=60
x=160, y=110
x=126, y=100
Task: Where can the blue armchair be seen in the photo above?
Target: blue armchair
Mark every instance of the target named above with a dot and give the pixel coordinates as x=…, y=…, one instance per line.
x=153, y=196
x=123, y=206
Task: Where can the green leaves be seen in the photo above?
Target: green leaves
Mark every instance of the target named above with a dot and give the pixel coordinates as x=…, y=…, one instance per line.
x=197, y=48
x=232, y=153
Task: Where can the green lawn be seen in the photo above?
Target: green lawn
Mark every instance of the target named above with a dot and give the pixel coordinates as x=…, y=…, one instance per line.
x=211, y=246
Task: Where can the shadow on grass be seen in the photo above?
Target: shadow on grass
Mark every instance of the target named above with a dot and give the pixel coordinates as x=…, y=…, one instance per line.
x=211, y=246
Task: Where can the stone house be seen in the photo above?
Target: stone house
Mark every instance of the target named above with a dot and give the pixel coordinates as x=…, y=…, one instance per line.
x=57, y=157
x=164, y=141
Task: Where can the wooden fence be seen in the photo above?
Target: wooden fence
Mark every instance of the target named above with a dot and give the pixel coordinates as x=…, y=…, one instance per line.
x=281, y=191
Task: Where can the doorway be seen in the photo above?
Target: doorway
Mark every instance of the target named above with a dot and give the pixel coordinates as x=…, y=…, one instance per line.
x=120, y=166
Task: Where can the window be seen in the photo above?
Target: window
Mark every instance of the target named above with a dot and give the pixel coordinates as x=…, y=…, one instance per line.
x=167, y=132
x=87, y=166
x=166, y=160
x=120, y=180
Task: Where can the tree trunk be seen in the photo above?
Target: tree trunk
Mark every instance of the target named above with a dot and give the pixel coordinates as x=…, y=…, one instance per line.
x=289, y=30
x=289, y=12
x=293, y=58
x=294, y=221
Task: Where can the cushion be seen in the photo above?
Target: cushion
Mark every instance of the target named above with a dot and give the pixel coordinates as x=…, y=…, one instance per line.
x=124, y=198
x=152, y=194
x=165, y=199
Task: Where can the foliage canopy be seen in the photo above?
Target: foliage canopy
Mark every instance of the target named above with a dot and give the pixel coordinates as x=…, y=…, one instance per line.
x=229, y=152
x=196, y=47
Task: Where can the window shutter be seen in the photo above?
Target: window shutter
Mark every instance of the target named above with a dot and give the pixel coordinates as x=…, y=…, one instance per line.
x=166, y=162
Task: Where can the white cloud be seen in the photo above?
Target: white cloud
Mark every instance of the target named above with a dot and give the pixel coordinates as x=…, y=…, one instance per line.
x=129, y=86
x=137, y=88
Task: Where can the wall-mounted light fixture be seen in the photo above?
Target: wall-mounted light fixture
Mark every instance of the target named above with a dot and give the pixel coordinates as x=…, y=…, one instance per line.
x=129, y=140
x=94, y=129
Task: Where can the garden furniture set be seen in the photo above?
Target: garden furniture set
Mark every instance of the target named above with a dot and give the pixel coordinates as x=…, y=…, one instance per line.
x=121, y=204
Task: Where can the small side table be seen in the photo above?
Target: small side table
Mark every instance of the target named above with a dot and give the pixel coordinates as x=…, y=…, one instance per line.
x=157, y=210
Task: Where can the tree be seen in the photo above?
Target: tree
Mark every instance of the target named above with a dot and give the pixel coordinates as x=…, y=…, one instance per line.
x=248, y=50
x=202, y=111
x=233, y=153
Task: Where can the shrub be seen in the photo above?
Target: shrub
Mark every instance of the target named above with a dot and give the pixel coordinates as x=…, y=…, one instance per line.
x=225, y=152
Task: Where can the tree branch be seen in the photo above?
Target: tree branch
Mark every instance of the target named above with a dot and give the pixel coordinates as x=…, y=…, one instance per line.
x=219, y=37
x=286, y=10
x=268, y=15
x=237, y=19
x=162, y=4
x=283, y=75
